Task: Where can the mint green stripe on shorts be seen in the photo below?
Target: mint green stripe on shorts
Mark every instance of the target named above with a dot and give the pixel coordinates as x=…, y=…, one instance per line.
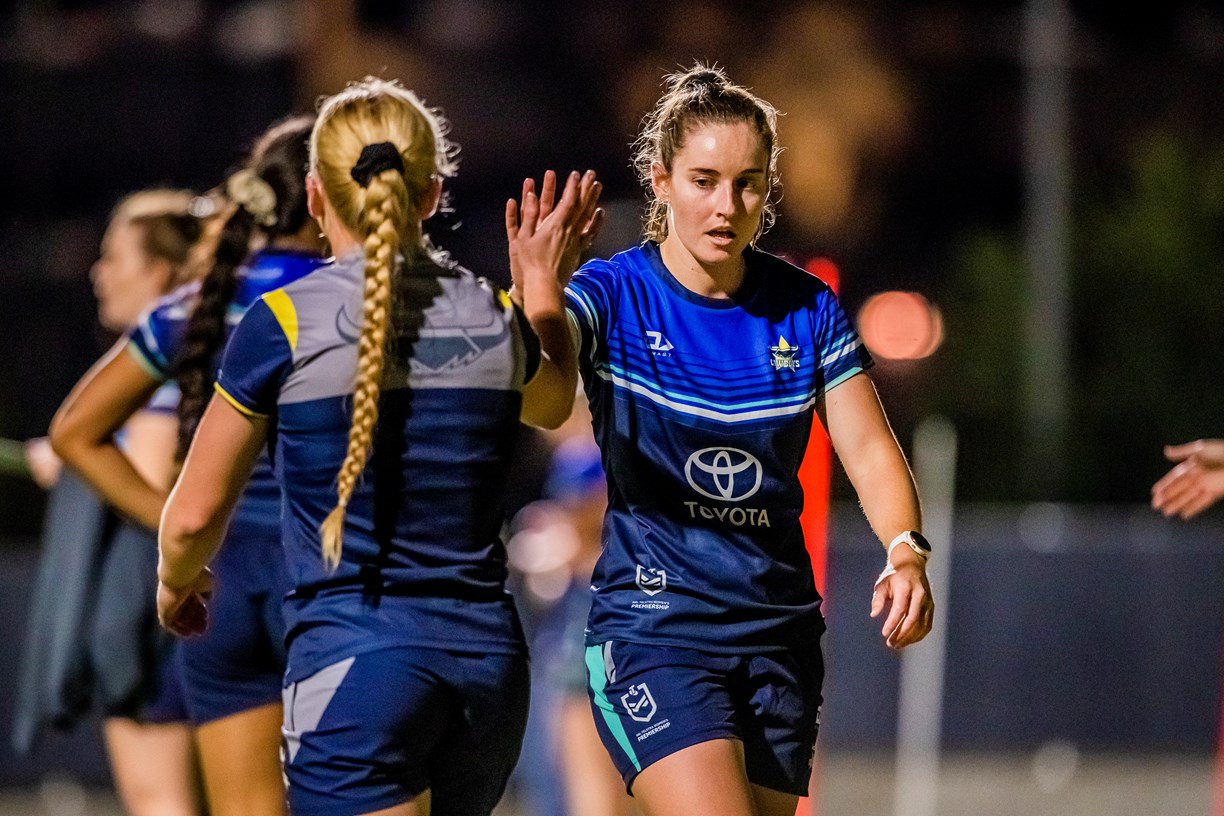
x=598, y=679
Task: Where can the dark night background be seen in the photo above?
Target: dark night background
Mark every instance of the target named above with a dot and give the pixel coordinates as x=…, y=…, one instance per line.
x=904, y=165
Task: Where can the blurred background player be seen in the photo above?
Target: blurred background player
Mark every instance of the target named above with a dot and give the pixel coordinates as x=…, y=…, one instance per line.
x=92, y=632
x=553, y=553
x=705, y=360
x=233, y=673
x=406, y=602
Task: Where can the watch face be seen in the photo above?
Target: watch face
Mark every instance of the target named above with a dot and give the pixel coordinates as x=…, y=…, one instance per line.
x=918, y=542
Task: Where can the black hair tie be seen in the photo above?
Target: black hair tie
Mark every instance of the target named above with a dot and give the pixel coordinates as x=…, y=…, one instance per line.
x=374, y=159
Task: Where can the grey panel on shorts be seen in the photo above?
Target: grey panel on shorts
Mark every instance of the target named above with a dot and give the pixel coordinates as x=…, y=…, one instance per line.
x=307, y=700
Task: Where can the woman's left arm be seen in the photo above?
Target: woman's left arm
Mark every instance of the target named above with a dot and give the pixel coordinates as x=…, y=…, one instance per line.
x=877, y=468
x=83, y=435
x=223, y=452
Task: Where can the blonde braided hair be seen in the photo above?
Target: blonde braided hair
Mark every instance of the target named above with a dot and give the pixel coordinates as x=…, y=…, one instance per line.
x=385, y=214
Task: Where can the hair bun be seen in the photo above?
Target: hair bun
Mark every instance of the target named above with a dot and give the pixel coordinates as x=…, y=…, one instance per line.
x=701, y=78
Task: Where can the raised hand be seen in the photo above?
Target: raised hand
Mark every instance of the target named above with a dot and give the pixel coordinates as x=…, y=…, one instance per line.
x=546, y=237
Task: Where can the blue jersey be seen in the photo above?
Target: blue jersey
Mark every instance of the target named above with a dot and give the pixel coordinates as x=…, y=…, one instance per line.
x=702, y=408
x=422, y=562
x=157, y=341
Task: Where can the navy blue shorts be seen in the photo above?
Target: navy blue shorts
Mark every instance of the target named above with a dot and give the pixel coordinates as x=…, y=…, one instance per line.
x=239, y=663
x=167, y=703
x=376, y=730
x=652, y=701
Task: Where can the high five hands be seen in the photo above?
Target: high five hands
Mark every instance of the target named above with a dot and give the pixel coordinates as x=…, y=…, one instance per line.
x=547, y=237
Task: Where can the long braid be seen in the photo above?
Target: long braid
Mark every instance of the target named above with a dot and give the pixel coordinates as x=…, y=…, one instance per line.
x=206, y=326
x=377, y=152
x=269, y=201
x=383, y=210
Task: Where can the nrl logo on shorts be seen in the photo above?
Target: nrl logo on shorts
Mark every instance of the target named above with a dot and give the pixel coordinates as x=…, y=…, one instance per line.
x=638, y=703
x=783, y=355
x=650, y=580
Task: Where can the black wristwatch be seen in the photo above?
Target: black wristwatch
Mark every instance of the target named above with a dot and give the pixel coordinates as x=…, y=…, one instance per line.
x=915, y=540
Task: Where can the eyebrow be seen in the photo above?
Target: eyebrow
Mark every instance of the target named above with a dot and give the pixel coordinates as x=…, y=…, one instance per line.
x=711, y=172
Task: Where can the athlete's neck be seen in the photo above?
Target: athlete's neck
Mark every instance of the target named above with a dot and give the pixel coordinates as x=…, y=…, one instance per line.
x=708, y=280
x=308, y=239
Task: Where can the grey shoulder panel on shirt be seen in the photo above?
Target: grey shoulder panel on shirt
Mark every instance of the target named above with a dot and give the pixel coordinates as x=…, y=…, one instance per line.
x=454, y=333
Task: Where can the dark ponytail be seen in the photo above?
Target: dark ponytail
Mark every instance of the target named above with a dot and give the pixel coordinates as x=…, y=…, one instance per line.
x=268, y=200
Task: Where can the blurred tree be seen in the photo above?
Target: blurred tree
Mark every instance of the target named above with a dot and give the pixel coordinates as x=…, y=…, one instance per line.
x=1148, y=327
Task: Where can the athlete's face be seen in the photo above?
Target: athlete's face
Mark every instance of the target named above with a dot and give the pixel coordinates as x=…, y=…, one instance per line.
x=716, y=191
x=126, y=280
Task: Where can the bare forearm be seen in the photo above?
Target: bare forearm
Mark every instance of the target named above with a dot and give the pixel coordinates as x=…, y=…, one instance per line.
x=885, y=488
x=110, y=473
x=186, y=544
x=549, y=398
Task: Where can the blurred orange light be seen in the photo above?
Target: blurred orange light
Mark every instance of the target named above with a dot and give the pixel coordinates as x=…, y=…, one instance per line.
x=900, y=326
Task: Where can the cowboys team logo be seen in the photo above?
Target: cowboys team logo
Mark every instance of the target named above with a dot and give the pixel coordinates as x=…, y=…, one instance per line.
x=449, y=340
x=726, y=474
x=638, y=703
x=650, y=580
x=783, y=355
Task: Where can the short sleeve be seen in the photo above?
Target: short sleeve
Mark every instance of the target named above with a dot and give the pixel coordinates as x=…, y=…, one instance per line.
x=155, y=337
x=165, y=399
x=589, y=299
x=531, y=343
x=842, y=353
x=257, y=360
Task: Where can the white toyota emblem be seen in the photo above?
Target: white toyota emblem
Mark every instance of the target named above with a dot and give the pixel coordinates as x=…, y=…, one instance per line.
x=726, y=474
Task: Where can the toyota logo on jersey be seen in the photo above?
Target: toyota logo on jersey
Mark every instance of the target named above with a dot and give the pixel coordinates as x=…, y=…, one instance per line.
x=725, y=474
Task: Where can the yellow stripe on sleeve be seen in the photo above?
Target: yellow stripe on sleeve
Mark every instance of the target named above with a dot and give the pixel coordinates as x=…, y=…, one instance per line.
x=242, y=409
x=285, y=314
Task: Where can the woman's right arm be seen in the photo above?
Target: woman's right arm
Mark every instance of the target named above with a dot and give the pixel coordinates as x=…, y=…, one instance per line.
x=222, y=455
x=545, y=243
x=83, y=433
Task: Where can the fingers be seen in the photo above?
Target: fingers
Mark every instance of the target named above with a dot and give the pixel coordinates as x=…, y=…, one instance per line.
x=529, y=216
x=589, y=191
x=191, y=617
x=1186, y=499
x=548, y=193
x=185, y=617
x=915, y=624
x=911, y=612
x=896, y=610
x=1177, y=489
x=1176, y=476
x=567, y=207
x=591, y=231
x=512, y=220
x=879, y=596
x=184, y=611
x=1176, y=453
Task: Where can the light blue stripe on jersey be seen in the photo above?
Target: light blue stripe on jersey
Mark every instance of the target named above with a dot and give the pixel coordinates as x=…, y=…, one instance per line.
x=703, y=409
x=688, y=404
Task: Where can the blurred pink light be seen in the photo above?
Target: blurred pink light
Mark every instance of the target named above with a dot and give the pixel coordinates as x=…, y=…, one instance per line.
x=900, y=326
